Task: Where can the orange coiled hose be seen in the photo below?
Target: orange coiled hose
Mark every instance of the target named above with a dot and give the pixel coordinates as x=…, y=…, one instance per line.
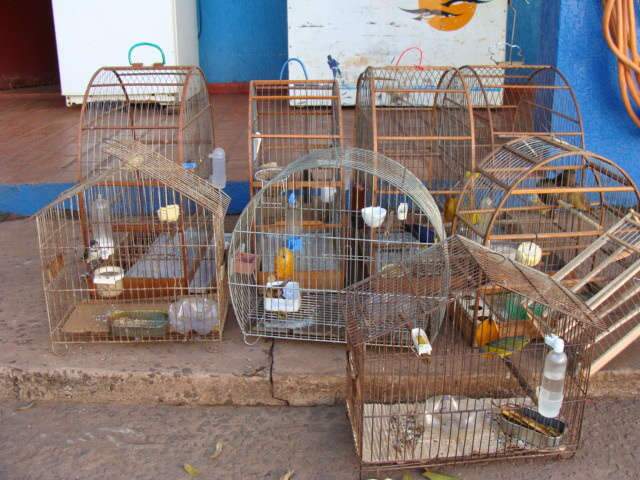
x=619, y=25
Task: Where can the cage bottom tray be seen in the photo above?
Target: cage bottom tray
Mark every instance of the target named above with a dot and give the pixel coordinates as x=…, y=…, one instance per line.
x=411, y=432
x=84, y=324
x=319, y=317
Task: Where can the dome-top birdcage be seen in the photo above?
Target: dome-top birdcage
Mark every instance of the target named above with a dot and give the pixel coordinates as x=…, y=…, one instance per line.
x=422, y=117
x=543, y=201
x=524, y=100
x=327, y=221
x=135, y=253
x=166, y=108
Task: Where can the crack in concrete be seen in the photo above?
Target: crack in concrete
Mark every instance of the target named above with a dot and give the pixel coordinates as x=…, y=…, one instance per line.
x=271, y=382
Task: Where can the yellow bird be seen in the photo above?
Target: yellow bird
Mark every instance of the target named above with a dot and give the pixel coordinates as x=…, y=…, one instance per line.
x=284, y=264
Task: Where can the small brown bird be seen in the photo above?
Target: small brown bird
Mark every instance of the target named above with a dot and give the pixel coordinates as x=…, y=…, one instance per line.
x=565, y=179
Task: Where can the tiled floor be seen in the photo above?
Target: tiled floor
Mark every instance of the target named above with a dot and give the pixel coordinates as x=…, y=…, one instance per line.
x=38, y=136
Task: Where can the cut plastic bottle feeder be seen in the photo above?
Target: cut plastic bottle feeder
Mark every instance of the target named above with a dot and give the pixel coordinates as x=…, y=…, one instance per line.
x=108, y=281
x=529, y=254
x=373, y=216
x=402, y=211
x=170, y=213
x=327, y=194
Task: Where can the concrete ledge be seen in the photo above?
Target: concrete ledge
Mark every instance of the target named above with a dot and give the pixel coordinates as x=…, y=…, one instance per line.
x=94, y=385
x=226, y=373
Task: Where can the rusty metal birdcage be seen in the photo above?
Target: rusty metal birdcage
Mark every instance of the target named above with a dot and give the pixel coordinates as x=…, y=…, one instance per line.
x=525, y=100
x=422, y=117
x=288, y=119
x=135, y=253
x=455, y=402
x=607, y=275
x=166, y=108
x=326, y=221
x=531, y=199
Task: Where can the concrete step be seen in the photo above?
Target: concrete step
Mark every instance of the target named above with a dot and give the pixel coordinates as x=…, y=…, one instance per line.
x=227, y=373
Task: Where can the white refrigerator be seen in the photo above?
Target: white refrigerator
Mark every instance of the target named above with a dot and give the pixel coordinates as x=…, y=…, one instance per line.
x=94, y=33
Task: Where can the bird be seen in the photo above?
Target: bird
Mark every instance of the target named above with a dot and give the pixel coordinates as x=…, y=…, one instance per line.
x=505, y=347
x=424, y=13
x=563, y=180
x=91, y=254
x=455, y=2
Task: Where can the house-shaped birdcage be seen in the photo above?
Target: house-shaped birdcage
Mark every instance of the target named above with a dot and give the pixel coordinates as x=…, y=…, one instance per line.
x=135, y=253
x=524, y=100
x=166, y=108
x=543, y=201
x=454, y=402
x=422, y=117
x=327, y=221
x=288, y=119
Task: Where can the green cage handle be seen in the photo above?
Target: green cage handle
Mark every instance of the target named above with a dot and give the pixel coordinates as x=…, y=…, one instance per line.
x=146, y=44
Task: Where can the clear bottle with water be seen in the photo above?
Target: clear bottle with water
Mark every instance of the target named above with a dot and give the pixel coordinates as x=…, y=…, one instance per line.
x=218, y=176
x=551, y=391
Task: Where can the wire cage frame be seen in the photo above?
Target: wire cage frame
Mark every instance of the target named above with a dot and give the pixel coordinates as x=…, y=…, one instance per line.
x=288, y=119
x=543, y=201
x=135, y=254
x=166, y=108
x=462, y=403
x=607, y=276
x=423, y=117
x=525, y=100
x=328, y=220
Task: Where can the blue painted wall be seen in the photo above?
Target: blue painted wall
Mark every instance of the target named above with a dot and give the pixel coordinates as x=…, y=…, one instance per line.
x=242, y=40
x=590, y=67
x=573, y=41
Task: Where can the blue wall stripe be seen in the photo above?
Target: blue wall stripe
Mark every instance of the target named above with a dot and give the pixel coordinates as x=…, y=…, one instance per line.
x=242, y=40
x=28, y=198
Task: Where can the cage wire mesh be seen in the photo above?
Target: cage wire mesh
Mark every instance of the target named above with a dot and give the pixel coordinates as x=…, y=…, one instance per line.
x=135, y=254
x=607, y=276
x=422, y=117
x=327, y=221
x=543, y=201
x=166, y=108
x=525, y=100
x=288, y=119
x=460, y=402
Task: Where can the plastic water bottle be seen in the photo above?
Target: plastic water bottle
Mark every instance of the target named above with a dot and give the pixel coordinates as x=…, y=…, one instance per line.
x=552, y=388
x=218, y=176
x=102, y=229
x=293, y=224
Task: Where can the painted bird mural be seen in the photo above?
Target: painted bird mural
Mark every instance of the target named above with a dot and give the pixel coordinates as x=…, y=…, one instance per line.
x=445, y=15
x=426, y=13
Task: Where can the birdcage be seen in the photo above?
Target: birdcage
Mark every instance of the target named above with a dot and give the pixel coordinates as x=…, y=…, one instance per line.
x=525, y=100
x=135, y=253
x=341, y=215
x=288, y=119
x=422, y=117
x=531, y=196
x=453, y=402
x=166, y=108
x=607, y=276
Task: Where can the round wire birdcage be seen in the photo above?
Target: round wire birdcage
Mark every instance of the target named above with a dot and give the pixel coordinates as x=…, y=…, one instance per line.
x=543, y=201
x=325, y=222
x=525, y=100
x=166, y=108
